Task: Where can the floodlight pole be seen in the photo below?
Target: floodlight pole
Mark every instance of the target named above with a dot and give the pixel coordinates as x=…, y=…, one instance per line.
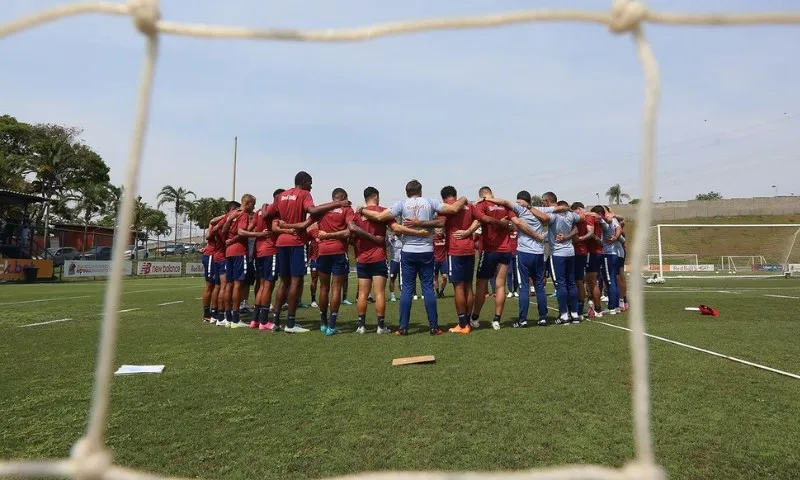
x=235, y=149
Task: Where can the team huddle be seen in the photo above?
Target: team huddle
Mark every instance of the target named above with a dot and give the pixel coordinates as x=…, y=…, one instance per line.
x=433, y=240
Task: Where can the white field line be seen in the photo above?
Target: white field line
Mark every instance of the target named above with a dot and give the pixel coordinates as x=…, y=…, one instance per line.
x=44, y=300
x=123, y=311
x=45, y=323
x=703, y=350
x=41, y=300
x=170, y=303
x=782, y=296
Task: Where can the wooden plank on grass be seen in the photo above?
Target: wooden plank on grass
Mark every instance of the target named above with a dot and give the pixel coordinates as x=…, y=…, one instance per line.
x=413, y=360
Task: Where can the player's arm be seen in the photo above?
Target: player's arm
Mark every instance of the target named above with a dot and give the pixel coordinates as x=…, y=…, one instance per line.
x=342, y=235
x=617, y=233
x=276, y=228
x=296, y=226
x=253, y=234
x=526, y=229
x=360, y=232
x=414, y=232
x=462, y=234
x=438, y=222
x=319, y=210
x=501, y=202
x=226, y=228
x=589, y=234
x=382, y=216
x=540, y=215
x=565, y=237
x=452, y=208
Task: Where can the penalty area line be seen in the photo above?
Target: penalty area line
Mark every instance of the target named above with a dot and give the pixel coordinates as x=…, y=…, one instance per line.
x=709, y=352
x=45, y=323
x=170, y=303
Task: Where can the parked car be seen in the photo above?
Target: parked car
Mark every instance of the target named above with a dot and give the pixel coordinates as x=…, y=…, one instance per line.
x=97, y=253
x=173, y=249
x=135, y=252
x=60, y=255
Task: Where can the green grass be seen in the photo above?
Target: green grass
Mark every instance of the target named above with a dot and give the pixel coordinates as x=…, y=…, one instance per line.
x=244, y=404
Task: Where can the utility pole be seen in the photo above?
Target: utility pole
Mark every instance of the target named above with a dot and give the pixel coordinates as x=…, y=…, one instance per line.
x=235, y=149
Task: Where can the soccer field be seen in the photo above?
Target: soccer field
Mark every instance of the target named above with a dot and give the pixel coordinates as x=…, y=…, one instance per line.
x=249, y=404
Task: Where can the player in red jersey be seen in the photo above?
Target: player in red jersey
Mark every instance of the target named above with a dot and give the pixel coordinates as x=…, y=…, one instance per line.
x=371, y=268
x=224, y=313
x=460, y=258
x=291, y=207
x=332, y=263
x=236, y=257
x=266, y=264
x=579, y=242
x=496, y=254
x=440, y=257
x=594, y=259
x=313, y=255
x=211, y=291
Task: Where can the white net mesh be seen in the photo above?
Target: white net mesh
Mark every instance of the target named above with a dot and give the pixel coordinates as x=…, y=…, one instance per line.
x=90, y=459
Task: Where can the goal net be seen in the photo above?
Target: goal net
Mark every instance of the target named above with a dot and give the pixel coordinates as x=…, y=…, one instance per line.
x=90, y=457
x=723, y=250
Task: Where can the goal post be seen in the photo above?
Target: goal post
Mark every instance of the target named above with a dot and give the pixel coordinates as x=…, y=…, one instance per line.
x=723, y=250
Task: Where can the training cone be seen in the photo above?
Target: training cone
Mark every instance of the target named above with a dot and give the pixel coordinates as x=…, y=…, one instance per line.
x=704, y=310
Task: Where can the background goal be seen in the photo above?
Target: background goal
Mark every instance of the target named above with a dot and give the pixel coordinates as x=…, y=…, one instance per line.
x=724, y=250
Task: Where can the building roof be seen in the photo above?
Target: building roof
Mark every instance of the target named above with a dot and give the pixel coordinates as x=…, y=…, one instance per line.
x=81, y=226
x=10, y=197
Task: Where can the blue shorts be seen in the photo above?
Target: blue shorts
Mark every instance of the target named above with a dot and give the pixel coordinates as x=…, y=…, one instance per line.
x=250, y=272
x=209, y=270
x=620, y=265
x=236, y=269
x=333, y=264
x=314, y=265
x=440, y=267
x=593, y=262
x=488, y=262
x=292, y=261
x=267, y=267
x=394, y=269
x=461, y=268
x=580, y=267
x=374, y=269
x=220, y=269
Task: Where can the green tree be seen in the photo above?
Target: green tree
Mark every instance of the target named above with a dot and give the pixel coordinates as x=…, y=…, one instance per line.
x=90, y=201
x=616, y=195
x=709, y=196
x=154, y=222
x=203, y=210
x=179, y=198
x=536, y=201
x=634, y=201
x=14, y=141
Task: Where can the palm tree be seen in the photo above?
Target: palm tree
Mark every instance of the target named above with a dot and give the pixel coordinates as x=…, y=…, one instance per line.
x=90, y=201
x=154, y=222
x=204, y=209
x=179, y=197
x=616, y=195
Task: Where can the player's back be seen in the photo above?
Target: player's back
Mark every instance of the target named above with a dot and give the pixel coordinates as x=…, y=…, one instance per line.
x=366, y=248
x=333, y=221
x=495, y=238
x=561, y=223
x=422, y=209
x=461, y=220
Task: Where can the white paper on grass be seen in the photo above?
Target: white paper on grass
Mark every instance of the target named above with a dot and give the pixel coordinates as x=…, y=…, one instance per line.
x=134, y=369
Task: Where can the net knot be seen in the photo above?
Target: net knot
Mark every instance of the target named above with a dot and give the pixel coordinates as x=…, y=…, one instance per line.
x=644, y=471
x=90, y=463
x=146, y=15
x=626, y=15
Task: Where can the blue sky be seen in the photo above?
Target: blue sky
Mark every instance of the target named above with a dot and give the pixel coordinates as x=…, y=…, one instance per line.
x=537, y=107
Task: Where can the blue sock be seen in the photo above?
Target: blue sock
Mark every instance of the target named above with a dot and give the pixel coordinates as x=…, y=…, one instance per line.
x=580, y=308
x=332, y=321
x=463, y=320
x=381, y=322
x=229, y=315
x=290, y=321
x=236, y=317
x=323, y=318
x=276, y=318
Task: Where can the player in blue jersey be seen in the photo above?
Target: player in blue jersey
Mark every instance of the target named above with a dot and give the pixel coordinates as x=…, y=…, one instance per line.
x=562, y=262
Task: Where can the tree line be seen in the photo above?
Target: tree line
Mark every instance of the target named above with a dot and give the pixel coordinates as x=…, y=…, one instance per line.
x=53, y=162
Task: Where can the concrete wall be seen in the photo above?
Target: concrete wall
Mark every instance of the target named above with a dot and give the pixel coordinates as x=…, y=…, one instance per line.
x=734, y=207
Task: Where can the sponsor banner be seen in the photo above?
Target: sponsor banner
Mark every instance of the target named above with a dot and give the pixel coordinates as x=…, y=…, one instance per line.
x=147, y=269
x=768, y=268
x=93, y=268
x=691, y=268
x=195, y=269
x=11, y=268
